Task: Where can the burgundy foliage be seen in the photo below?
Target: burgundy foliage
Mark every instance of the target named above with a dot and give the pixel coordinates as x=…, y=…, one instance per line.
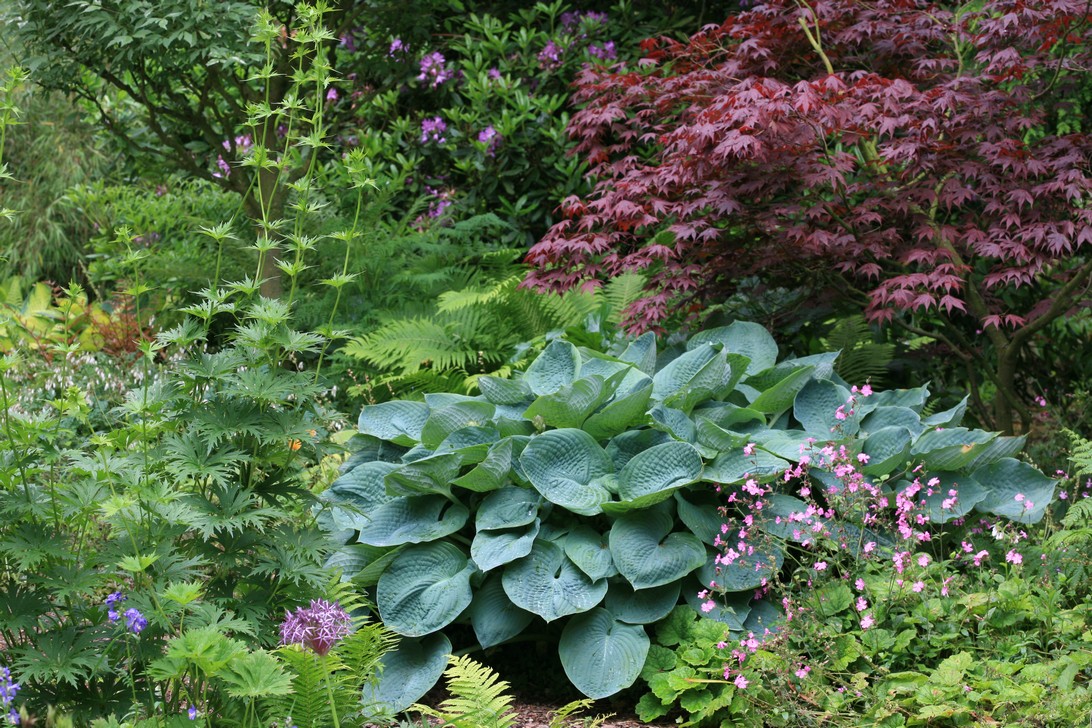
x=913, y=149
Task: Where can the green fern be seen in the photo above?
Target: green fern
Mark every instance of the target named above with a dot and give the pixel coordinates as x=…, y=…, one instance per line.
x=567, y=715
x=478, y=698
x=861, y=358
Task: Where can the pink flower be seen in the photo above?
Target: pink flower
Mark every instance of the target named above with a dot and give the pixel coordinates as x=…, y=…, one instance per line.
x=1014, y=557
x=859, y=584
x=708, y=606
x=741, y=682
x=820, y=565
x=318, y=627
x=923, y=560
x=1018, y=497
x=803, y=672
x=867, y=621
x=918, y=587
x=861, y=604
x=749, y=449
x=866, y=391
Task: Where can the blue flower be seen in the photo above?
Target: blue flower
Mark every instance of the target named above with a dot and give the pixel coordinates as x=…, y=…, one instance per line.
x=192, y=712
x=134, y=620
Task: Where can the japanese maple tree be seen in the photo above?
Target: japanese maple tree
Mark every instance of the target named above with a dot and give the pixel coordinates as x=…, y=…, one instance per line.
x=927, y=161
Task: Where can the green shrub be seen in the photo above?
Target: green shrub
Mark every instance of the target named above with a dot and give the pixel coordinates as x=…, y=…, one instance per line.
x=592, y=490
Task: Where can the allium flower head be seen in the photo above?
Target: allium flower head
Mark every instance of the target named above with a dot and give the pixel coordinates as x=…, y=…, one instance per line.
x=318, y=627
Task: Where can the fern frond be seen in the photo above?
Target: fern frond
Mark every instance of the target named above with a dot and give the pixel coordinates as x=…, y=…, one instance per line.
x=620, y=293
x=861, y=358
x=307, y=704
x=478, y=697
x=406, y=345
x=1080, y=454
x=564, y=716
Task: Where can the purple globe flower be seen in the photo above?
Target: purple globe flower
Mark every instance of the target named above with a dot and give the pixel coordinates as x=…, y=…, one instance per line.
x=318, y=627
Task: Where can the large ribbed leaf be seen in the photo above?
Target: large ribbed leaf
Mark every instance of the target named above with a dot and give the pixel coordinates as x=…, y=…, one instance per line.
x=678, y=372
x=505, y=391
x=355, y=494
x=590, y=551
x=816, y=407
x=783, y=516
x=641, y=607
x=747, y=571
x=509, y=507
x=425, y=588
x=446, y=420
x=950, y=449
x=408, y=672
x=564, y=465
x=430, y=474
x=573, y=403
x=742, y=337
x=547, y=583
x=491, y=549
x=413, y=519
x=887, y=448
x=763, y=617
x=602, y=655
x=882, y=417
x=960, y=493
x=641, y=352
x=399, y=422
x=780, y=396
x=624, y=447
x=674, y=422
x=788, y=444
x=493, y=615
x=650, y=477
x=1011, y=486
x=707, y=383
x=947, y=418
x=492, y=472
x=730, y=609
x=617, y=416
x=735, y=467
x=646, y=552
x=557, y=366
x=996, y=449
x=911, y=398
x=702, y=518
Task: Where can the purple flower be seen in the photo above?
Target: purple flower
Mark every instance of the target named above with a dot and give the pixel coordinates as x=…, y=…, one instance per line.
x=397, y=46
x=8, y=688
x=192, y=712
x=345, y=41
x=432, y=130
x=135, y=621
x=331, y=94
x=494, y=74
x=606, y=53
x=550, y=55
x=434, y=70
x=595, y=17
x=111, y=605
x=489, y=136
x=317, y=628
x=442, y=201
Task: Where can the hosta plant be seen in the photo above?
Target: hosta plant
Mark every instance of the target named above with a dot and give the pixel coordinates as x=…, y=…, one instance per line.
x=588, y=490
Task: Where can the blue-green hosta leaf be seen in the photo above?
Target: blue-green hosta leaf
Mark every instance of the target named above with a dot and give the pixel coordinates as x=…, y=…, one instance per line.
x=471, y=443
x=413, y=519
x=491, y=549
x=601, y=365
x=887, y=448
x=624, y=447
x=948, y=418
x=429, y=475
x=563, y=465
x=641, y=607
x=620, y=414
x=651, y=476
x=678, y=372
x=747, y=570
x=641, y=352
x=784, y=517
x=883, y=417
x=443, y=421
x=674, y=422
x=707, y=383
x=362, y=487
x=702, y=518
x=713, y=439
x=505, y=391
x=353, y=558
x=439, y=400
x=602, y=655
x=823, y=363
x=938, y=502
x=780, y=396
x=493, y=615
x=399, y=422
x=763, y=617
x=1011, y=486
x=787, y=444
x=590, y=551
x=949, y=449
x=547, y=583
x=572, y=404
x=492, y=472
x=648, y=554
x=742, y=337
x=369, y=575
x=730, y=609
x=817, y=406
x=408, y=672
x=735, y=467
x=911, y=398
x=425, y=588
x=557, y=366
x=509, y=507
x=996, y=449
